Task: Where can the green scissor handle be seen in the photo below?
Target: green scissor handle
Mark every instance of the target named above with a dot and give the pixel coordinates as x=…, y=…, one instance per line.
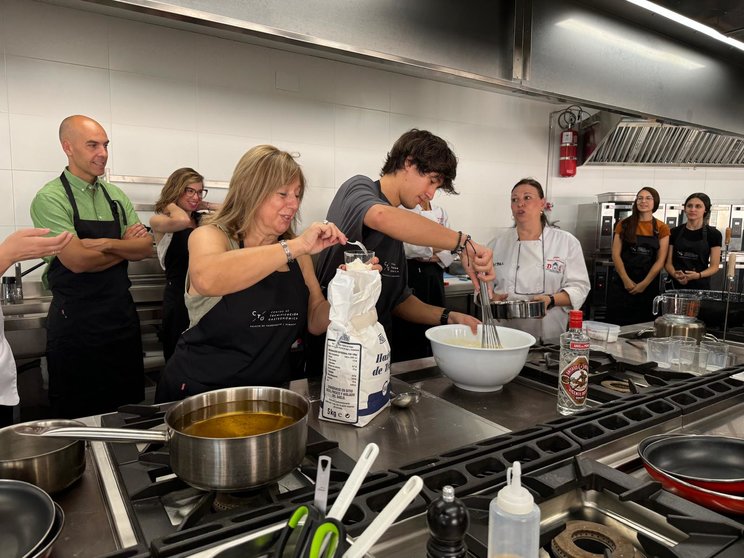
x=330, y=529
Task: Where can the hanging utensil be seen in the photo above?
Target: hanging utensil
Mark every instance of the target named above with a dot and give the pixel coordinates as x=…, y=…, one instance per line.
x=385, y=518
x=352, y=484
x=321, y=483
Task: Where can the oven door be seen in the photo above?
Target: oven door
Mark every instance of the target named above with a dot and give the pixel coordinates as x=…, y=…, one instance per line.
x=611, y=214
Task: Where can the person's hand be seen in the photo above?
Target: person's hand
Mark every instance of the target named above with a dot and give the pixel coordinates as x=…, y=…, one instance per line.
x=29, y=244
x=639, y=288
x=478, y=262
x=464, y=319
x=135, y=231
x=545, y=299
x=629, y=284
x=319, y=236
x=498, y=297
x=98, y=244
x=690, y=276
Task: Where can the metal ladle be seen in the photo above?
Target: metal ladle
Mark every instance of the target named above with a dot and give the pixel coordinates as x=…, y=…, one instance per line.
x=404, y=399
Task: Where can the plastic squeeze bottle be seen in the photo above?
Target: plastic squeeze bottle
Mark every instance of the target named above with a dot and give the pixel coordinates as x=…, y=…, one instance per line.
x=513, y=520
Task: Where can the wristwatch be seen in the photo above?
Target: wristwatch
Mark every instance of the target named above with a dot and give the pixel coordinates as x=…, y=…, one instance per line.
x=444, y=318
x=551, y=304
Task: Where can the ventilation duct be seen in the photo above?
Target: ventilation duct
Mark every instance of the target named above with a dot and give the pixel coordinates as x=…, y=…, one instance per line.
x=609, y=139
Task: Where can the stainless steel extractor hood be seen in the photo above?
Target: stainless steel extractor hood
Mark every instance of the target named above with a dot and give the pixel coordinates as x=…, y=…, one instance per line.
x=611, y=139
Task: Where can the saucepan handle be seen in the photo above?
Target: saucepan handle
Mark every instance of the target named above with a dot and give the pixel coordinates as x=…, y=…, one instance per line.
x=96, y=434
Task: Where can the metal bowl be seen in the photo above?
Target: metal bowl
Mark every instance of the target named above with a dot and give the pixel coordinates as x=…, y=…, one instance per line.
x=510, y=309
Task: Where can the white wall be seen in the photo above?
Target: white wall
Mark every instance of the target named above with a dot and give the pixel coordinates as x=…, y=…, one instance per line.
x=170, y=98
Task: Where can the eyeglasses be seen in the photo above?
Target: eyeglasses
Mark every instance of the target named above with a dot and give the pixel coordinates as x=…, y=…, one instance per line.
x=645, y=198
x=527, y=273
x=191, y=192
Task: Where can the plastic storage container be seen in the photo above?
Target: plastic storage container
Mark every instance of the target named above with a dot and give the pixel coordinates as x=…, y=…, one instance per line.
x=602, y=331
x=513, y=520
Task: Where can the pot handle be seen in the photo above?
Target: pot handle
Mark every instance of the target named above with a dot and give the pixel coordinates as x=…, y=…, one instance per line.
x=96, y=434
x=655, y=307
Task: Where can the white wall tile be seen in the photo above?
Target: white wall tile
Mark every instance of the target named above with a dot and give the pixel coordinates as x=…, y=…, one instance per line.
x=364, y=129
x=222, y=110
x=218, y=154
x=414, y=96
x=315, y=205
x=56, y=89
x=143, y=151
x=5, y=162
x=35, y=143
x=5, y=231
x=141, y=100
x=627, y=179
x=25, y=186
x=39, y=30
x=233, y=65
x=361, y=87
x=3, y=78
x=301, y=121
x=725, y=184
x=350, y=162
x=316, y=161
x=153, y=50
x=312, y=74
x=7, y=213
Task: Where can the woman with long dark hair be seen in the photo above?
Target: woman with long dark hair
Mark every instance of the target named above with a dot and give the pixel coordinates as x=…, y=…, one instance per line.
x=639, y=250
x=694, y=247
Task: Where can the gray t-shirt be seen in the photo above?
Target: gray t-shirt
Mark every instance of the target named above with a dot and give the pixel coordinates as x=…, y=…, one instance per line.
x=348, y=208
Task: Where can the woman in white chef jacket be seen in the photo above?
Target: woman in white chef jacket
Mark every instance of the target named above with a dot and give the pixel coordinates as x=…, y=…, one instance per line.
x=534, y=261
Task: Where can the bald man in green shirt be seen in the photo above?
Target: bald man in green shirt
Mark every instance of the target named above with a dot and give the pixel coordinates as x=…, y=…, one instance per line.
x=94, y=348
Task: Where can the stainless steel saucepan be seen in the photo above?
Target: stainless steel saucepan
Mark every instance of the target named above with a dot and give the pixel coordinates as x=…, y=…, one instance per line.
x=224, y=440
x=510, y=309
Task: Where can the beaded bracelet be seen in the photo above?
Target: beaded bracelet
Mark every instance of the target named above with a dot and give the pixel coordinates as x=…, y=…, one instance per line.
x=460, y=248
x=457, y=249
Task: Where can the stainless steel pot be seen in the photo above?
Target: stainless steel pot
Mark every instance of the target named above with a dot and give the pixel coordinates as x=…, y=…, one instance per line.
x=510, y=309
x=50, y=464
x=219, y=463
x=666, y=327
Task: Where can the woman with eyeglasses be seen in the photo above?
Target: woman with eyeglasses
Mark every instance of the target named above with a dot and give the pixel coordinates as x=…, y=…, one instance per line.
x=176, y=215
x=694, y=246
x=534, y=261
x=251, y=290
x=639, y=250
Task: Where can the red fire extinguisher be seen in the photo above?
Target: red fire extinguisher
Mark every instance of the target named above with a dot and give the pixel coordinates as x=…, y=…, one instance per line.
x=569, y=141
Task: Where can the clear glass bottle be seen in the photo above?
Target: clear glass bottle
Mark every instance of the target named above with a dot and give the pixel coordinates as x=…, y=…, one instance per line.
x=573, y=378
x=513, y=520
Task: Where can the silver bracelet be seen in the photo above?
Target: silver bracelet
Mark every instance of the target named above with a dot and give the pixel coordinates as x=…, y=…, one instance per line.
x=290, y=258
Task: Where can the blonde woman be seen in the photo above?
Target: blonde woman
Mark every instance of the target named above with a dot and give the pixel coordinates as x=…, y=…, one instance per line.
x=251, y=289
x=176, y=215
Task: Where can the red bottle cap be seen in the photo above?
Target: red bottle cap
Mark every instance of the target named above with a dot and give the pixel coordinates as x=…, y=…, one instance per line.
x=575, y=319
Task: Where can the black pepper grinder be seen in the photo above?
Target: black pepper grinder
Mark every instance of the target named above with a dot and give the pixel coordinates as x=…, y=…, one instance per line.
x=448, y=521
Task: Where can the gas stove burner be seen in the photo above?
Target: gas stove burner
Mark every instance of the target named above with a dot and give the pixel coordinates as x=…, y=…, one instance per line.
x=225, y=501
x=586, y=539
x=621, y=386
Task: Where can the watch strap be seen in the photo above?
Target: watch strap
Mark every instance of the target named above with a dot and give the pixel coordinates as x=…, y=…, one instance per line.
x=444, y=318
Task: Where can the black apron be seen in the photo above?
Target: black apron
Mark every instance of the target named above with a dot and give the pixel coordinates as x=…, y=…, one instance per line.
x=94, y=347
x=691, y=255
x=624, y=308
x=409, y=340
x=175, y=314
x=244, y=340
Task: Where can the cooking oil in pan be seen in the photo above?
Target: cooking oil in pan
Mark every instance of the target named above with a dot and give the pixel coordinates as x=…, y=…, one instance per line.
x=238, y=424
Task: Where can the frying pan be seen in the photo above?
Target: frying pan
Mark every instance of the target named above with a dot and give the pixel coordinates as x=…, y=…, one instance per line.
x=44, y=550
x=226, y=462
x=50, y=464
x=27, y=516
x=711, y=462
x=711, y=499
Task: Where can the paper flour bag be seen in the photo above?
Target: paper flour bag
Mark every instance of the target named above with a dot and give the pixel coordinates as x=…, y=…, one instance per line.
x=356, y=368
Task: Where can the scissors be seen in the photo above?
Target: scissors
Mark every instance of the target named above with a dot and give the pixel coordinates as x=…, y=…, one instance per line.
x=309, y=534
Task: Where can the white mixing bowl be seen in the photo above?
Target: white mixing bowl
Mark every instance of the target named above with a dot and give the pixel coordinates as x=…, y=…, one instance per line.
x=472, y=367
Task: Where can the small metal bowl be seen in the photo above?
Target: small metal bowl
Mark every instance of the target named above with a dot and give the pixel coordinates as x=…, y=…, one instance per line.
x=510, y=309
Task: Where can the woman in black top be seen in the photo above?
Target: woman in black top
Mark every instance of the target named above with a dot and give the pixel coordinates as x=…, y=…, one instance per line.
x=694, y=247
x=176, y=215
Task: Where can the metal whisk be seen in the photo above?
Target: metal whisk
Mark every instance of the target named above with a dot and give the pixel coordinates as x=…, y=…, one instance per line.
x=489, y=333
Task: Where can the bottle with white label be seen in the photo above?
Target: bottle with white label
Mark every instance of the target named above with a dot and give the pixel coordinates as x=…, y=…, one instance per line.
x=573, y=378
